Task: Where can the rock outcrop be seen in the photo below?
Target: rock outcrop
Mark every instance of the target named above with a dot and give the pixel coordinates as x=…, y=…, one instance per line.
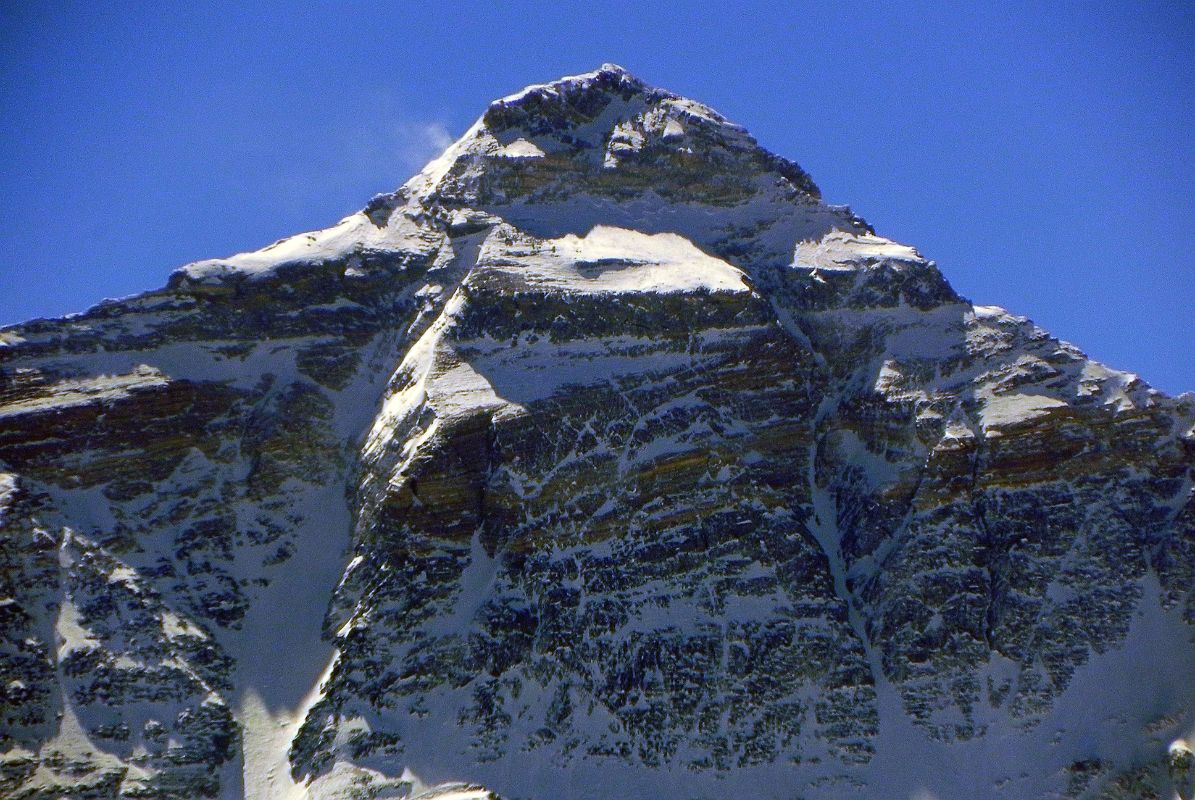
x=601, y=458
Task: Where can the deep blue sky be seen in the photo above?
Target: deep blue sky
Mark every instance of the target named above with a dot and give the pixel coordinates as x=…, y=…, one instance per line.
x=1045, y=157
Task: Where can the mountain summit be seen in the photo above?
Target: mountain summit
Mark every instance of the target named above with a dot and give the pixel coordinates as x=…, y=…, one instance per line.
x=601, y=459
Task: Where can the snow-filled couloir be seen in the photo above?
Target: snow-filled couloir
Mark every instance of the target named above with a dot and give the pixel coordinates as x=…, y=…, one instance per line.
x=601, y=458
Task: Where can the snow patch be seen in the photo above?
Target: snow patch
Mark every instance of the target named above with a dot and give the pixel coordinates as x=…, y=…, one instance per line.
x=8, y=489
x=613, y=259
x=582, y=80
x=841, y=250
x=673, y=130
x=461, y=390
x=520, y=148
x=1001, y=411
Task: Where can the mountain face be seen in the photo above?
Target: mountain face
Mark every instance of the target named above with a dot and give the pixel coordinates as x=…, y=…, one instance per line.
x=602, y=459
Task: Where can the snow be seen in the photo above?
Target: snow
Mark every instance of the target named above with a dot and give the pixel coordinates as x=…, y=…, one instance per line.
x=840, y=250
x=452, y=383
x=777, y=222
x=283, y=624
x=614, y=259
x=1009, y=762
x=73, y=743
x=994, y=313
x=531, y=371
x=699, y=111
x=428, y=178
x=624, y=139
x=345, y=780
x=74, y=393
x=475, y=587
x=1001, y=411
x=321, y=245
x=69, y=631
x=620, y=128
x=521, y=148
x=286, y=618
x=8, y=490
x=402, y=405
x=673, y=130
x=353, y=234
x=1020, y=372
x=591, y=245
x=454, y=791
x=461, y=390
x=1012, y=762
x=581, y=80
x=269, y=731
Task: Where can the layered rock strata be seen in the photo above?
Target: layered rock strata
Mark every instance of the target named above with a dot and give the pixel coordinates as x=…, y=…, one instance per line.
x=601, y=454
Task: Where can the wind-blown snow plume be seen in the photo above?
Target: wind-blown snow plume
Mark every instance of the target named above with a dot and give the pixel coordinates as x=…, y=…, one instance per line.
x=601, y=457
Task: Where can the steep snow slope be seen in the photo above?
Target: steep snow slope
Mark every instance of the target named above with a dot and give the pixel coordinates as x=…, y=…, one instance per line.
x=601, y=457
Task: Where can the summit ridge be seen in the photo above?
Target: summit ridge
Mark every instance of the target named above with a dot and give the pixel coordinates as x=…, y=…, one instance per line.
x=600, y=457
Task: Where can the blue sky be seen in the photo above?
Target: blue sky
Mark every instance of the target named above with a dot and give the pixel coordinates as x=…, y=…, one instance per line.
x=1044, y=156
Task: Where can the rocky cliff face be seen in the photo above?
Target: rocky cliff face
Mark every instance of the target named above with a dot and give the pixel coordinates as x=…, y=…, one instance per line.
x=602, y=458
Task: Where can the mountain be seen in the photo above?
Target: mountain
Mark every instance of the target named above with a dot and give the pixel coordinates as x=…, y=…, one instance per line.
x=601, y=459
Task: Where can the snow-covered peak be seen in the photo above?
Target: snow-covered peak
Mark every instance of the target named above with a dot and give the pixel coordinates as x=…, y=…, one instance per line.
x=601, y=457
x=602, y=148
x=578, y=93
x=601, y=79
x=603, y=132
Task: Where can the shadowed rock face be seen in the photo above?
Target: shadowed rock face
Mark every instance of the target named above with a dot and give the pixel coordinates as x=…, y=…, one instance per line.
x=600, y=457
